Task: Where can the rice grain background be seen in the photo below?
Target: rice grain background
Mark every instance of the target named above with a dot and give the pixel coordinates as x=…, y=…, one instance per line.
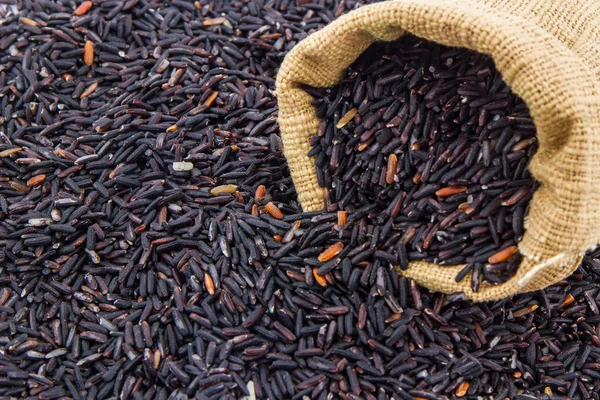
x=152, y=244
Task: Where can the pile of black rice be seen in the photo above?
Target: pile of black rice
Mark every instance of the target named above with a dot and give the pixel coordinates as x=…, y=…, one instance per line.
x=151, y=244
x=431, y=145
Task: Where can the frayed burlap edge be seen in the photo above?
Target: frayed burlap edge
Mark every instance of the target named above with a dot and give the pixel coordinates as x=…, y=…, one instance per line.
x=533, y=55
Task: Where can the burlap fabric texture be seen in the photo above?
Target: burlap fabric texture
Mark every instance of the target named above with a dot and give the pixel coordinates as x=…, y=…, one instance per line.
x=548, y=51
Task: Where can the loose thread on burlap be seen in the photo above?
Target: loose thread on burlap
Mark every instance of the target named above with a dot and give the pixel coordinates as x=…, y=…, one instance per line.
x=537, y=268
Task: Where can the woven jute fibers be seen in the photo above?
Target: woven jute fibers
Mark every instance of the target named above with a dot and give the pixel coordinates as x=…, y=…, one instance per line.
x=548, y=51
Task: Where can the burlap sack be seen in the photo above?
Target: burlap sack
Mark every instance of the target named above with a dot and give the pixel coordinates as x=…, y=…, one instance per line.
x=548, y=51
